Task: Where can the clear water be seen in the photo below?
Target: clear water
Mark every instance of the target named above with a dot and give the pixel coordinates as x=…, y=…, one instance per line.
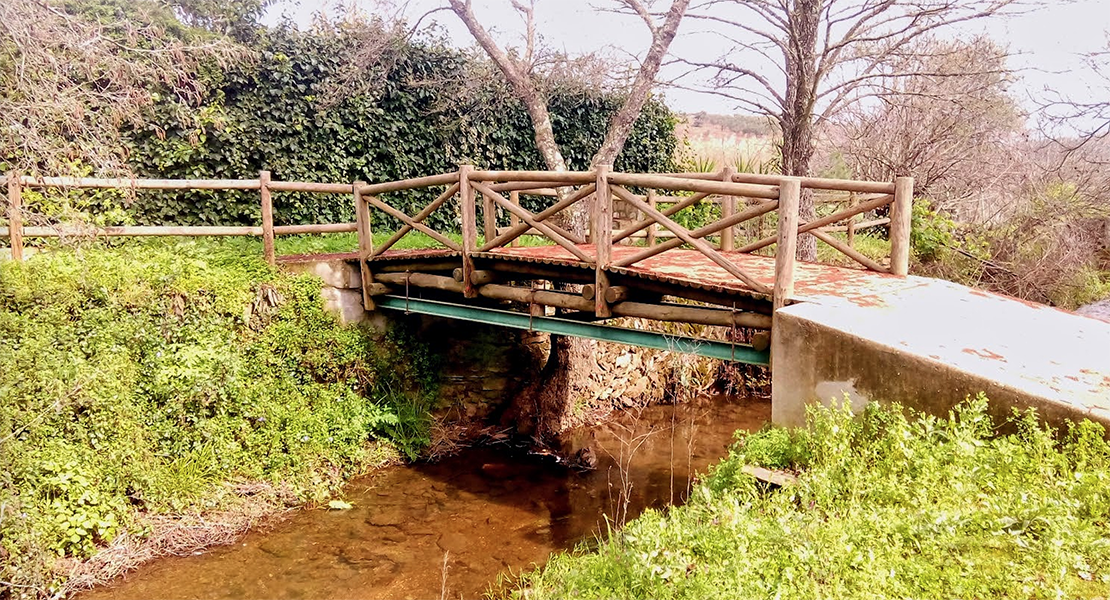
x=451, y=528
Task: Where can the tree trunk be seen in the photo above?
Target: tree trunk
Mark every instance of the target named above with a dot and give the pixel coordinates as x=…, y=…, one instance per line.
x=798, y=115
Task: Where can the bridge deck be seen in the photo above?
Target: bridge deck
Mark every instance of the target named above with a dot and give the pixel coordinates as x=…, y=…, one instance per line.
x=689, y=268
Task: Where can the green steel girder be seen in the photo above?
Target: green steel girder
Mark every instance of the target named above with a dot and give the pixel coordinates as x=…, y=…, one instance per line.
x=633, y=337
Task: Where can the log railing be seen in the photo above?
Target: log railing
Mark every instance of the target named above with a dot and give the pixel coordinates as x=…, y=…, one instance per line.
x=742, y=197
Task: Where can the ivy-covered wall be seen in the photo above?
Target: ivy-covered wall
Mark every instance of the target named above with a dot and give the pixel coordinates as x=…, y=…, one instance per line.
x=418, y=118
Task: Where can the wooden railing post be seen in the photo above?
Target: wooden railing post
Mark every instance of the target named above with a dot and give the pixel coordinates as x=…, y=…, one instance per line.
x=267, y=217
x=728, y=208
x=901, y=211
x=469, y=230
x=15, y=214
x=489, y=218
x=652, y=201
x=514, y=198
x=364, y=225
x=603, y=242
x=851, y=221
x=790, y=195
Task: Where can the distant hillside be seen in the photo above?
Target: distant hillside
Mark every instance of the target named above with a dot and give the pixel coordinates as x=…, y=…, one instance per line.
x=746, y=125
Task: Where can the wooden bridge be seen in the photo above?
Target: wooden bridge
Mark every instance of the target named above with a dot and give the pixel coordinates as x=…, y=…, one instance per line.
x=564, y=252
x=644, y=265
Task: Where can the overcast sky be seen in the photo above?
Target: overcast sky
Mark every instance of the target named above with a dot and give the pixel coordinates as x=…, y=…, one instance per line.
x=1047, y=44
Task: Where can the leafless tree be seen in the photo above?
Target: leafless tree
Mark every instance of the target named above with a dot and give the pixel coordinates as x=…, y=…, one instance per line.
x=802, y=61
x=951, y=125
x=569, y=359
x=519, y=67
x=68, y=84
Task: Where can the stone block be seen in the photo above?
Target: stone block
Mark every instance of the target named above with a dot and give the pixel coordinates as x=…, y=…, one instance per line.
x=344, y=303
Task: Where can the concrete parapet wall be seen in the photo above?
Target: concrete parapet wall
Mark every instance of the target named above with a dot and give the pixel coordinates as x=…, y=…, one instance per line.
x=817, y=356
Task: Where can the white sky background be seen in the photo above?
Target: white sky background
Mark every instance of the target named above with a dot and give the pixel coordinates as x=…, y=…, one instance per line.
x=1047, y=43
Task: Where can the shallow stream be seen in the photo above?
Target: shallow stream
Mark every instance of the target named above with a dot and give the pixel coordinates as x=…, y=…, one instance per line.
x=449, y=529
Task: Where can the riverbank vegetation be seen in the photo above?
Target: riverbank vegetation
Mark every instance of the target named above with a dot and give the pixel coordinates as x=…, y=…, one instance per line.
x=176, y=378
x=885, y=506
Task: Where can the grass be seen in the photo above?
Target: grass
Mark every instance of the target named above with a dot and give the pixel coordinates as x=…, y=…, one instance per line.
x=886, y=506
x=138, y=380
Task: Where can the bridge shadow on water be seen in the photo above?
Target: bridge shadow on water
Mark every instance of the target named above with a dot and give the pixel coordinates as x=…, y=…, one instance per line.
x=457, y=524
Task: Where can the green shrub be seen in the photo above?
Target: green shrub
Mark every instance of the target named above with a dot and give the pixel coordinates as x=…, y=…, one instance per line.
x=885, y=506
x=139, y=379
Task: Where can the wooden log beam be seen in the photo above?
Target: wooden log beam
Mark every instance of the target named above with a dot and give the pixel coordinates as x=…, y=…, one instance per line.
x=857, y=226
x=900, y=216
x=551, y=231
x=745, y=215
x=524, y=214
x=435, y=235
x=544, y=177
x=603, y=242
x=723, y=188
x=698, y=244
x=692, y=314
x=408, y=184
x=315, y=229
x=818, y=223
x=514, y=197
x=533, y=188
x=142, y=184
x=15, y=216
x=478, y=277
x=852, y=253
x=364, y=223
x=419, y=218
x=137, y=231
x=785, y=258
x=469, y=228
x=566, y=300
x=316, y=188
x=820, y=183
x=617, y=294
x=517, y=231
x=267, y=217
x=728, y=208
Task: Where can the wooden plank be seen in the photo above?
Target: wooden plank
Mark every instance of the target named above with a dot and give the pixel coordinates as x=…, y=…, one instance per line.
x=543, y=215
x=364, y=223
x=551, y=231
x=819, y=223
x=901, y=213
x=408, y=184
x=469, y=228
x=775, y=477
x=750, y=213
x=419, y=217
x=695, y=185
x=435, y=235
x=267, y=217
x=728, y=208
x=603, y=243
x=785, y=258
x=15, y=216
x=142, y=184
x=685, y=236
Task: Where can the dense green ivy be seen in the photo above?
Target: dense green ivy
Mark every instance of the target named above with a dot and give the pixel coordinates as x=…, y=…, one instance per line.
x=416, y=120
